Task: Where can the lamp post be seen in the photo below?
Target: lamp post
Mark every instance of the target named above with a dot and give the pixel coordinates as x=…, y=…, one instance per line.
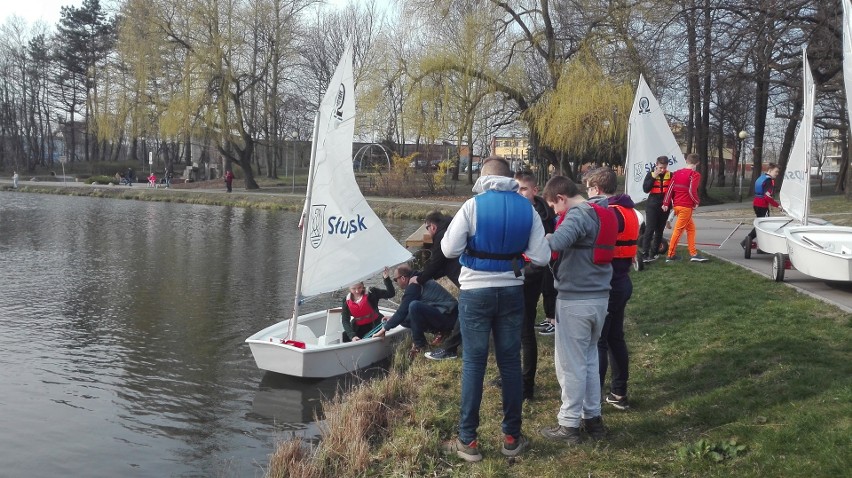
x=741, y=136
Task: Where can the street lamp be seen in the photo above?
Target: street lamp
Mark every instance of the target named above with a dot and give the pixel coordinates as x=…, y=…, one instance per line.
x=741, y=136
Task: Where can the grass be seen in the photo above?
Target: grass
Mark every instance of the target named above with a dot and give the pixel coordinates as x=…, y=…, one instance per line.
x=731, y=375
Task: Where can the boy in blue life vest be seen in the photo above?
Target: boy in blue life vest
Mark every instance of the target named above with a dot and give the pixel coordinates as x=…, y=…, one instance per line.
x=582, y=285
x=764, y=189
x=489, y=234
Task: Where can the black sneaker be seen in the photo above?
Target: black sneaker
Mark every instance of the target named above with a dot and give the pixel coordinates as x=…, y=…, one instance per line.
x=649, y=259
x=514, y=446
x=441, y=354
x=549, y=330
x=569, y=435
x=673, y=258
x=594, y=427
x=543, y=324
x=620, y=403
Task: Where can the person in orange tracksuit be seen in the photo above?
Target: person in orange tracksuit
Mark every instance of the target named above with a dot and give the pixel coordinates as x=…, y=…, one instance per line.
x=683, y=196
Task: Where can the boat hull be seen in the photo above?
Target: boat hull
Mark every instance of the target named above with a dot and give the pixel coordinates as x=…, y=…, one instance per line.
x=325, y=354
x=770, y=232
x=824, y=252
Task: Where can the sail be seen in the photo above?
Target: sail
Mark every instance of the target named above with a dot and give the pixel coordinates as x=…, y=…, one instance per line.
x=346, y=241
x=795, y=190
x=648, y=137
x=847, y=55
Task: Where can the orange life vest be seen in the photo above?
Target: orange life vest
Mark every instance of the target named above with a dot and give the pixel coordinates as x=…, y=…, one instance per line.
x=661, y=184
x=362, y=312
x=626, y=241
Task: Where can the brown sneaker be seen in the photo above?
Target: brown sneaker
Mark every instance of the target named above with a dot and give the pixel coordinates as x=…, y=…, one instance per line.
x=436, y=341
x=594, y=427
x=469, y=452
x=413, y=352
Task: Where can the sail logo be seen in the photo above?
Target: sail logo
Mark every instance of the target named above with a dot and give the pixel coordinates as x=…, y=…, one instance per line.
x=315, y=231
x=342, y=226
x=644, y=105
x=795, y=175
x=338, y=102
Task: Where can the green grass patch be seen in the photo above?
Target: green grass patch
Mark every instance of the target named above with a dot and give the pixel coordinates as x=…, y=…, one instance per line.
x=731, y=375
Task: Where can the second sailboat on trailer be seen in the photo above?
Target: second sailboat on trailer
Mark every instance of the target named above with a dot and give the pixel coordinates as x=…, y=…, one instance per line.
x=343, y=242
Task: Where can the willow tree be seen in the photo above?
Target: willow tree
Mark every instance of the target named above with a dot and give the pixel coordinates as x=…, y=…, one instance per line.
x=585, y=116
x=211, y=69
x=534, y=41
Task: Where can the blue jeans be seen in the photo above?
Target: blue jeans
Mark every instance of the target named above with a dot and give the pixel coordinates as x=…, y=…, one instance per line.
x=427, y=318
x=497, y=311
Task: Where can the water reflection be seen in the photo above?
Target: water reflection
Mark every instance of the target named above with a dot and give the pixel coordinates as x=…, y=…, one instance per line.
x=293, y=402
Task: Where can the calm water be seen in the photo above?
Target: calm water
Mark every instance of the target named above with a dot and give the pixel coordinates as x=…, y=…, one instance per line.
x=121, y=338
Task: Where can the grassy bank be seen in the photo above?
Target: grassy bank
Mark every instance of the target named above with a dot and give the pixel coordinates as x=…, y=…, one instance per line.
x=731, y=375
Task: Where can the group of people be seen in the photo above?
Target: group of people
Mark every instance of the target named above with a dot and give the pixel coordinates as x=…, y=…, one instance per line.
x=671, y=192
x=506, y=248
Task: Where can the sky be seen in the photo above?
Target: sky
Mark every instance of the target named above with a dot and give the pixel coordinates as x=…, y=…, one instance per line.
x=48, y=10
x=34, y=10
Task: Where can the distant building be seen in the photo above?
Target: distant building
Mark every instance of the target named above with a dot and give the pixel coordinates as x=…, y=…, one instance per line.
x=513, y=148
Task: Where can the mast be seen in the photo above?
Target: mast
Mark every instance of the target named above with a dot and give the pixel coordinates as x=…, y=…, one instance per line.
x=297, y=299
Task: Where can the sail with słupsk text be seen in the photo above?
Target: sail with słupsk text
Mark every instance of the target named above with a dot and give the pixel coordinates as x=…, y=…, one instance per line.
x=795, y=189
x=346, y=240
x=648, y=137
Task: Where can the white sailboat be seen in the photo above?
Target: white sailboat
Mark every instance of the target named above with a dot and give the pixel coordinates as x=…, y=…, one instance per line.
x=648, y=137
x=343, y=242
x=825, y=252
x=796, y=189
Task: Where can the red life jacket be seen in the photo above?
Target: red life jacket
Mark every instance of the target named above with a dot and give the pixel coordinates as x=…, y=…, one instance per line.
x=661, y=184
x=604, y=249
x=362, y=312
x=626, y=241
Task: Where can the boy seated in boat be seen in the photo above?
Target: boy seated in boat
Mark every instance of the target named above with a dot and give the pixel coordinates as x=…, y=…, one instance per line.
x=360, y=312
x=425, y=307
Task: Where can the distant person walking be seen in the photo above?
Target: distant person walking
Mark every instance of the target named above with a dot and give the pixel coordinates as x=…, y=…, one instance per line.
x=169, y=176
x=15, y=179
x=229, y=178
x=764, y=189
x=683, y=196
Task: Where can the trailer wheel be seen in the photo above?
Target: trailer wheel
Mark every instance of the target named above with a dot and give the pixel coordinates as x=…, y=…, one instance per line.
x=748, y=246
x=778, y=261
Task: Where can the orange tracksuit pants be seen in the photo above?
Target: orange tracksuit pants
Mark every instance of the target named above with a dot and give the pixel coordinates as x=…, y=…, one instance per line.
x=684, y=223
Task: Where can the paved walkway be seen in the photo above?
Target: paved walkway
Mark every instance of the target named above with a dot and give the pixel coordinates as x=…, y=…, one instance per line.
x=711, y=234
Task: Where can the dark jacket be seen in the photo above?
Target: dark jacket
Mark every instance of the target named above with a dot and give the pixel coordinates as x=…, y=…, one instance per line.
x=438, y=264
x=429, y=292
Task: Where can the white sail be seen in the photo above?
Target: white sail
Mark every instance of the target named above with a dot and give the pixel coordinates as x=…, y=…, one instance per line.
x=648, y=137
x=847, y=55
x=795, y=190
x=346, y=241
